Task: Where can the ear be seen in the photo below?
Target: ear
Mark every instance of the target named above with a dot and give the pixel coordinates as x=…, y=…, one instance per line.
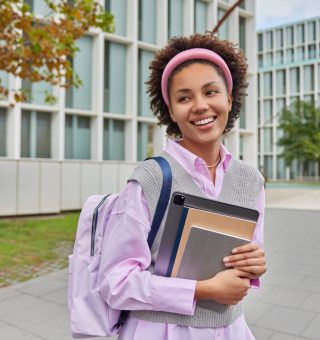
x=171, y=114
x=230, y=99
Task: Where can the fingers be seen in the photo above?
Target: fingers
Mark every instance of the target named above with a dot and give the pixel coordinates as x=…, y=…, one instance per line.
x=246, y=262
x=246, y=248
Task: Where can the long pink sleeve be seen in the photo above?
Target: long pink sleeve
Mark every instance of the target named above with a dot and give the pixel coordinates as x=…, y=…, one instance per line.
x=124, y=282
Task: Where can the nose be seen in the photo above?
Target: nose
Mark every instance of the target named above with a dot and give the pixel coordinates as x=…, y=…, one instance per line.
x=200, y=105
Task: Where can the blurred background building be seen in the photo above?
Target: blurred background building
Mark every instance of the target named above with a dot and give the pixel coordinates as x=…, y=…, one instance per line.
x=53, y=156
x=288, y=69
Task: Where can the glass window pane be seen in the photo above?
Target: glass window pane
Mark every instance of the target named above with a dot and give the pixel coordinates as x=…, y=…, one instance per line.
x=300, y=53
x=279, y=57
x=224, y=28
x=268, y=164
x=268, y=139
x=260, y=42
x=77, y=137
x=145, y=140
x=269, y=59
x=308, y=76
x=115, y=70
x=294, y=80
x=300, y=34
x=145, y=58
x=38, y=7
x=290, y=55
x=3, y=132
x=242, y=33
x=260, y=60
x=279, y=38
x=25, y=134
x=148, y=21
x=311, y=31
x=267, y=84
x=113, y=140
x=175, y=16
x=119, y=9
x=242, y=122
x=43, y=135
x=289, y=36
x=4, y=79
x=311, y=51
x=36, y=92
x=269, y=37
x=281, y=168
x=281, y=82
x=201, y=16
x=267, y=111
x=80, y=98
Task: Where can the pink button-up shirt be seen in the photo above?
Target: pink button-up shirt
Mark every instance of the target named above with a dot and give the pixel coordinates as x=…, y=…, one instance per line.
x=126, y=284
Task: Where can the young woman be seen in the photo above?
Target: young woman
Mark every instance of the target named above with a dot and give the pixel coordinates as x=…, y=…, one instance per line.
x=196, y=86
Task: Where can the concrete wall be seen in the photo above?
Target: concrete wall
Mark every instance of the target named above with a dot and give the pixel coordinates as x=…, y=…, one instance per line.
x=47, y=186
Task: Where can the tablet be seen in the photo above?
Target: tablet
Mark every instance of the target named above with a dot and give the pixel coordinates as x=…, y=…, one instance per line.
x=184, y=211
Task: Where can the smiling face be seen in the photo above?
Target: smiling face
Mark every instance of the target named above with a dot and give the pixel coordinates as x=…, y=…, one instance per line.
x=199, y=104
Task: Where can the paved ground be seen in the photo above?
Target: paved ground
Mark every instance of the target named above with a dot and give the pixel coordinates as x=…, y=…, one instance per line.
x=286, y=307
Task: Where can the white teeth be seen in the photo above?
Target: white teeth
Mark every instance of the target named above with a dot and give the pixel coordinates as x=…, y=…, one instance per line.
x=204, y=121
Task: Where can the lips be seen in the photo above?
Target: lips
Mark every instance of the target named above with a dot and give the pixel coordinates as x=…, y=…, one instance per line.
x=203, y=121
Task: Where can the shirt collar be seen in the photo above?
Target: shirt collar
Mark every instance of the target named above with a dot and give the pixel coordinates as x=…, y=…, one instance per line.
x=189, y=160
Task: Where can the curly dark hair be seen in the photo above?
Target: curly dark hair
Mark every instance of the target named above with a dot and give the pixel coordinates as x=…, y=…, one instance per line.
x=233, y=57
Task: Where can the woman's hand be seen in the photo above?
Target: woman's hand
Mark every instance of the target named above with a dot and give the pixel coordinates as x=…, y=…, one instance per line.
x=250, y=259
x=227, y=287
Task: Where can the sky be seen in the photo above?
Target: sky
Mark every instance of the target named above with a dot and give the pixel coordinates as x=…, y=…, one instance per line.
x=270, y=13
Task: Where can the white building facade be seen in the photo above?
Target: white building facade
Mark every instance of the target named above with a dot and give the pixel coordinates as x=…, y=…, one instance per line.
x=288, y=69
x=53, y=156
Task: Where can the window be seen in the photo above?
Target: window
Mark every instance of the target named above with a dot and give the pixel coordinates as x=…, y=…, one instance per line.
x=267, y=139
x=311, y=51
x=38, y=7
x=36, y=92
x=281, y=82
x=294, y=80
x=115, y=77
x=242, y=119
x=201, y=16
x=260, y=42
x=290, y=55
x=289, y=36
x=279, y=57
x=281, y=168
x=242, y=33
x=175, y=17
x=119, y=9
x=3, y=132
x=267, y=112
x=269, y=38
x=308, y=76
x=224, y=28
x=145, y=58
x=300, y=34
x=267, y=84
x=300, y=53
x=145, y=140
x=35, y=134
x=77, y=137
x=80, y=98
x=279, y=38
x=268, y=165
x=269, y=59
x=260, y=60
x=113, y=139
x=311, y=31
x=148, y=21
x=4, y=81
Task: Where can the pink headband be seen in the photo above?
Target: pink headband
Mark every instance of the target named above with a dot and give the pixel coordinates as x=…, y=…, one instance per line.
x=193, y=53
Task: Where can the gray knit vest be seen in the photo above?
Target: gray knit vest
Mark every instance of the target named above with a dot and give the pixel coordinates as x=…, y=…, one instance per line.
x=241, y=185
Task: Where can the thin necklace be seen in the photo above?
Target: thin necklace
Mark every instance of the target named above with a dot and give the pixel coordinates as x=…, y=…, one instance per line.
x=215, y=164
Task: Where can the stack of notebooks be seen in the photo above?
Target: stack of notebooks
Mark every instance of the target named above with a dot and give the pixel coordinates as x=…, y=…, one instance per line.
x=198, y=234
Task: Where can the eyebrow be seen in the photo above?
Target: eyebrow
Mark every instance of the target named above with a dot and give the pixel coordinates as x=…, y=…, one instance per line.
x=204, y=86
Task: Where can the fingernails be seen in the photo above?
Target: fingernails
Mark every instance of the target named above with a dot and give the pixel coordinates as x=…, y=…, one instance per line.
x=234, y=251
x=226, y=259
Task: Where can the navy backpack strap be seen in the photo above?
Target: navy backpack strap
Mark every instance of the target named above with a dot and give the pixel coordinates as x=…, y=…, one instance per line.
x=158, y=215
x=163, y=198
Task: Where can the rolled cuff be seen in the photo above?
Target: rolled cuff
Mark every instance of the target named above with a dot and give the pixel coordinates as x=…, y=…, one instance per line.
x=173, y=295
x=255, y=283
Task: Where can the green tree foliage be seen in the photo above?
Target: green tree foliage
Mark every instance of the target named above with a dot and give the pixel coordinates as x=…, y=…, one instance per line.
x=41, y=49
x=301, y=127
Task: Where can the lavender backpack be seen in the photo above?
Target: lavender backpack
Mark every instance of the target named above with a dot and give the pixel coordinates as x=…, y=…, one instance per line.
x=90, y=316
